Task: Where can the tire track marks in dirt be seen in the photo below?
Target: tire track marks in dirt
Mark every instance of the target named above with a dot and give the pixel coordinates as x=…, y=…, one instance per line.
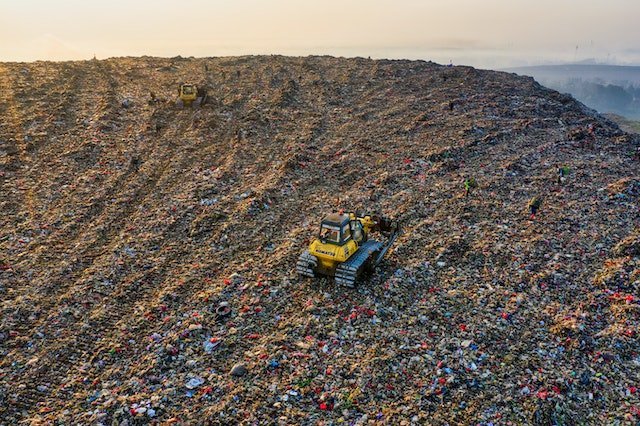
x=54, y=294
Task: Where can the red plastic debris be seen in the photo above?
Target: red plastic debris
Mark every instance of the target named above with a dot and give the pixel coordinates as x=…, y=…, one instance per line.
x=542, y=394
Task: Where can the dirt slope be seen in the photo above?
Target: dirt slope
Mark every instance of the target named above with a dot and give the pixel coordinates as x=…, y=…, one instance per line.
x=125, y=222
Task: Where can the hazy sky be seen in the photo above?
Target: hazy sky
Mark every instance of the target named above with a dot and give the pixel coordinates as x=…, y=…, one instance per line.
x=489, y=33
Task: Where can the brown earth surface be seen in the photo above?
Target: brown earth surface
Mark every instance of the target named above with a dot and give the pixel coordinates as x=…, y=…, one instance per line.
x=125, y=221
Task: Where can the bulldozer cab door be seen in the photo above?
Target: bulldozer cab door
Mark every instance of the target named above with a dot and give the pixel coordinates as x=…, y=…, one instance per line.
x=357, y=232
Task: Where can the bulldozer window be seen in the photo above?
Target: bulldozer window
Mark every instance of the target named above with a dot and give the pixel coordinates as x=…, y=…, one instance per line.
x=346, y=233
x=330, y=233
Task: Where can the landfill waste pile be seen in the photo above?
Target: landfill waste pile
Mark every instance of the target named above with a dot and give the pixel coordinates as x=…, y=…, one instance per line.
x=148, y=252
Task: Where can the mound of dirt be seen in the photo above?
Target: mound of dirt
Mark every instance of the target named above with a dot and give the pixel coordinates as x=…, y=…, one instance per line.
x=147, y=252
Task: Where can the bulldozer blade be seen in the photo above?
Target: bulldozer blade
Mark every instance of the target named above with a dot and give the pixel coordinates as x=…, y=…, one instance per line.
x=385, y=225
x=200, y=101
x=386, y=247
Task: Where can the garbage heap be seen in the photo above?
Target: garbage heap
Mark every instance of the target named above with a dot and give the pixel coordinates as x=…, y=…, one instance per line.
x=147, y=251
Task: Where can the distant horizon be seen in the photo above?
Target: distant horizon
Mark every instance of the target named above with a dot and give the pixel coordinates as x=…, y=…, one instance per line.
x=481, y=63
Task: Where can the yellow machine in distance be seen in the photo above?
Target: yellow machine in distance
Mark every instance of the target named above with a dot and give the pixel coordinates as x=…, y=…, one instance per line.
x=191, y=94
x=343, y=248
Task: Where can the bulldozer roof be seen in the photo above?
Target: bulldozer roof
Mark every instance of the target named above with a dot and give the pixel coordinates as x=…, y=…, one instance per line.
x=336, y=219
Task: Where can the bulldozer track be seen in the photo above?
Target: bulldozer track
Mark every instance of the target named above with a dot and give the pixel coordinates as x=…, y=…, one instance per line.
x=347, y=273
x=306, y=264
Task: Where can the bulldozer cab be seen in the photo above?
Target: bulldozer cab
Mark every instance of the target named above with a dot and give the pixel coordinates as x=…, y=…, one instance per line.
x=188, y=89
x=335, y=229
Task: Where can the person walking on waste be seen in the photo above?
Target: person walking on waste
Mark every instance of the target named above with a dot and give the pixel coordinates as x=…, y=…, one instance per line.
x=563, y=172
x=469, y=184
x=534, y=206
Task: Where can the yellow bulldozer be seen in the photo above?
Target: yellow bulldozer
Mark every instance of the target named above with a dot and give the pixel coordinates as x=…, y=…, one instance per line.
x=343, y=248
x=191, y=95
